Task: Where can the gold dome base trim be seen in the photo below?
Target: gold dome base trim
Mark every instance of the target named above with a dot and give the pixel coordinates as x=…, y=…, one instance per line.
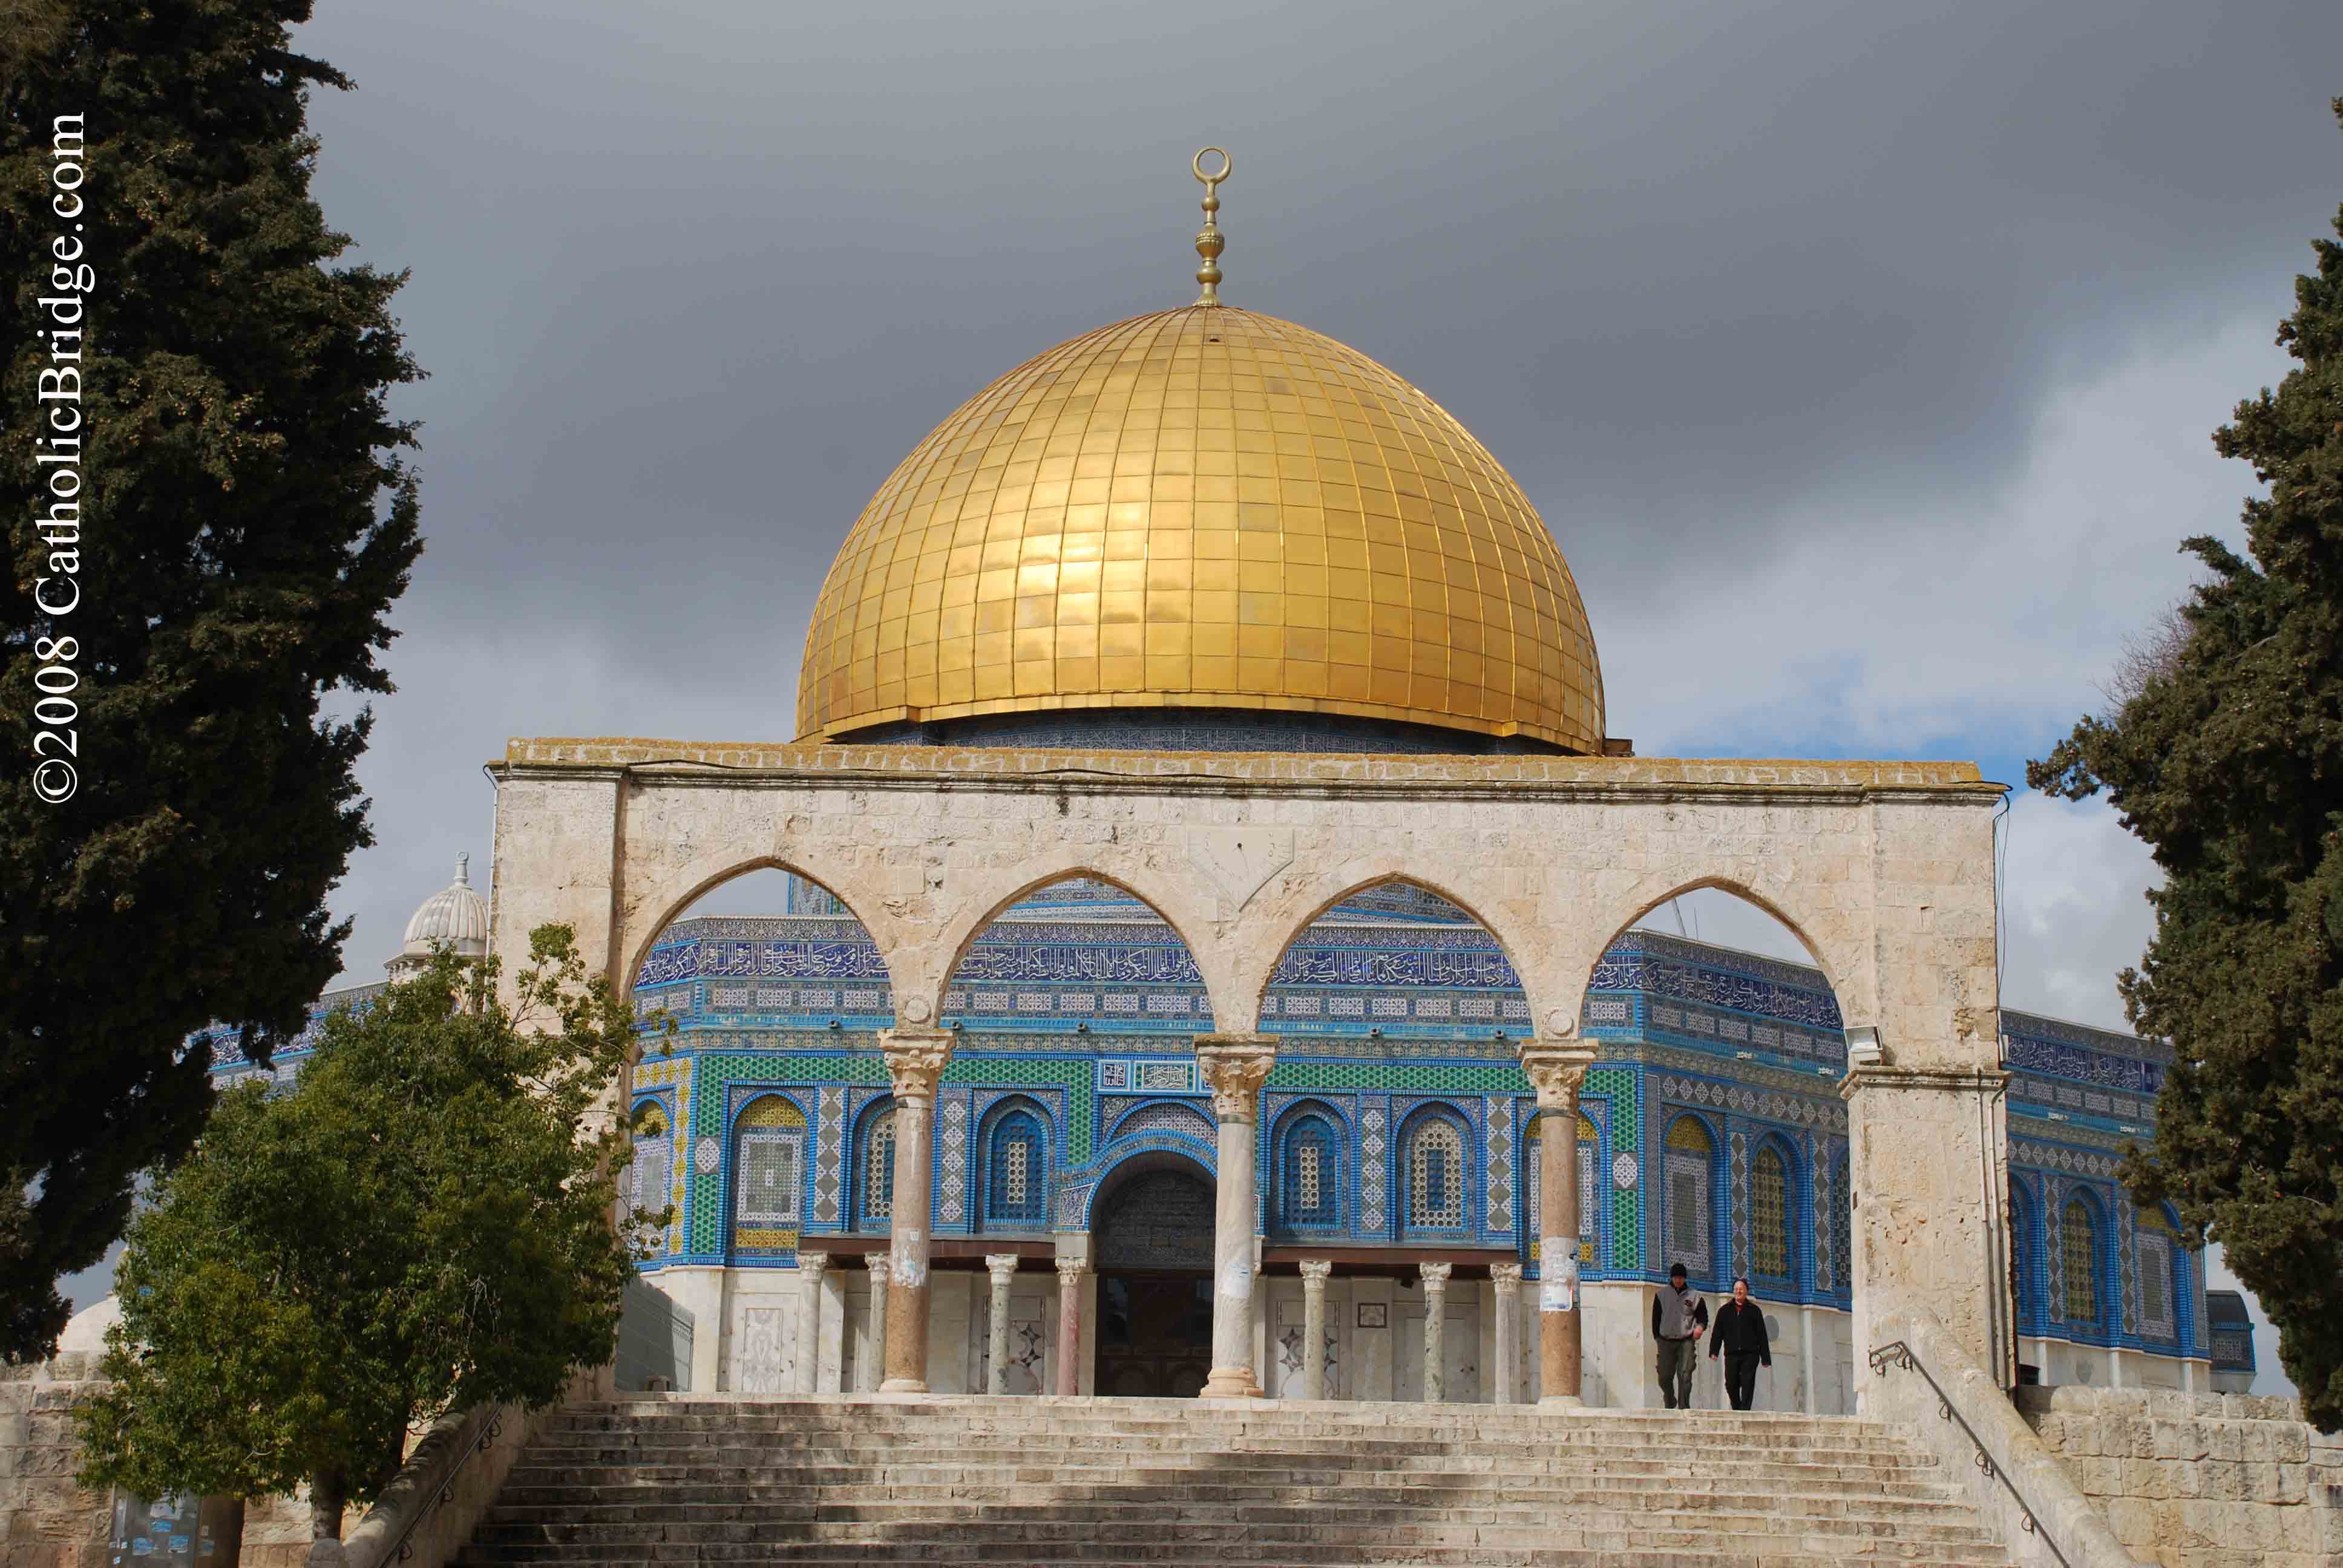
x=1128, y=701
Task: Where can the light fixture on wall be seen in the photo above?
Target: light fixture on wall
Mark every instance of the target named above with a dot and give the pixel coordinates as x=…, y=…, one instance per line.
x=1863, y=1046
x=835, y=1024
x=1374, y=1034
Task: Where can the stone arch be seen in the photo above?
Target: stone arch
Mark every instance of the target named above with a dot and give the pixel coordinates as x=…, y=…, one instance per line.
x=1177, y=903
x=1138, y=1157
x=1265, y=937
x=978, y=913
x=1843, y=969
x=713, y=872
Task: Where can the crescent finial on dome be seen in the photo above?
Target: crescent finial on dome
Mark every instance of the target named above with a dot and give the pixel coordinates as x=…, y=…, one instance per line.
x=1210, y=240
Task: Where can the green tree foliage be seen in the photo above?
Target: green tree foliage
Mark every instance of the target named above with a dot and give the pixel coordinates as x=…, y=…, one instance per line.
x=2226, y=756
x=423, y=1225
x=245, y=524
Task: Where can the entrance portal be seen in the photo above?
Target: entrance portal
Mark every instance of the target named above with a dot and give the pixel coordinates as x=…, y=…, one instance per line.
x=1154, y=1250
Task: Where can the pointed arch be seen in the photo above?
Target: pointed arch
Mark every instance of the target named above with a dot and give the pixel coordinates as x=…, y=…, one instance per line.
x=1174, y=901
x=967, y=937
x=2082, y=1248
x=690, y=886
x=1436, y=1185
x=1689, y=1211
x=1774, y=1209
x=1456, y=981
x=1310, y=1177
x=768, y=1169
x=871, y=1173
x=1276, y=925
x=1015, y=1143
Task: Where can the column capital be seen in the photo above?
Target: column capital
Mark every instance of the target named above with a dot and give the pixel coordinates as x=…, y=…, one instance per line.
x=812, y=1264
x=1435, y=1275
x=1235, y=1066
x=1555, y=1070
x=1001, y=1265
x=1071, y=1271
x=915, y=1059
x=1507, y=1278
x=880, y=1265
x=1316, y=1272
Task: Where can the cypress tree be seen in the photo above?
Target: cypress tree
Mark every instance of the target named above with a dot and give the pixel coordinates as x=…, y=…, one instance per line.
x=241, y=526
x=2225, y=754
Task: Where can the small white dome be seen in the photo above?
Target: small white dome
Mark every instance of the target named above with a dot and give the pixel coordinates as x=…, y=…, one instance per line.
x=454, y=915
x=85, y=1335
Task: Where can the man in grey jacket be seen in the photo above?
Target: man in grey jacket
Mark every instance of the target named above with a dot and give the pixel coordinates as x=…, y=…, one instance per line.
x=1678, y=1316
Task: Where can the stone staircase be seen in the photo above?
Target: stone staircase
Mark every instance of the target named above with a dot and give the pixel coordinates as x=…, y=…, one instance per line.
x=831, y=1480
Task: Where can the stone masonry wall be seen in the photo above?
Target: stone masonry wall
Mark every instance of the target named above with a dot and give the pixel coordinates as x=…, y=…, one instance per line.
x=47, y=1522
x=2199, y=1481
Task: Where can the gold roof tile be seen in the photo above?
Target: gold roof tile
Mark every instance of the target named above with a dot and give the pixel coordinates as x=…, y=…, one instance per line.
x=1203, y=507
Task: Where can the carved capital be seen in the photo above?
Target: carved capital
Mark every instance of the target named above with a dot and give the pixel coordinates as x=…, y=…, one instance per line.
x=1435, y=1275
x=812, y=1264
x=880, y=1265
x=1070, y=1272
x=915, y=1060
x=1235, y=1066
x=1507, y=1278
x=1555, y=1071
x=1001, y=1265
x=1315, y=1273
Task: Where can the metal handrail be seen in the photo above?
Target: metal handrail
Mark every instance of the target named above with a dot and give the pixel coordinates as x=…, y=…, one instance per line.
x=403, y=1549
x=1901, y=1355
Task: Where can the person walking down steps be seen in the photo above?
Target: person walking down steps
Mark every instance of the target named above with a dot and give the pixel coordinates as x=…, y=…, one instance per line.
x=1741, y=1335
x=1678, y=1316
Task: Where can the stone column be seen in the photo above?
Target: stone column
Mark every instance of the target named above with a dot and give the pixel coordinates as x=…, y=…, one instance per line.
x=810, y=1267
x=916, y=1060
x=1236, y=1066
x=1314, y=1272
x=1436, y=1331
x=1070, y=1274
x=1555, y=1071
x=1507, y=1279
x=1002, y=1267
x=871, y=1370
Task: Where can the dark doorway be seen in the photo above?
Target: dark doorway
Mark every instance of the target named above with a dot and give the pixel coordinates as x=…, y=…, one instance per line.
x=1154, y=1248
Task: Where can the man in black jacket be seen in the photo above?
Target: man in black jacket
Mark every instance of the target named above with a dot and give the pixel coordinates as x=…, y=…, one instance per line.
x=1677, y=1317
x=1741, y=1335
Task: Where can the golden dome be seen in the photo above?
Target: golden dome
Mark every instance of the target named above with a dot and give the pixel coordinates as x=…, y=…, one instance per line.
x=1203, y=507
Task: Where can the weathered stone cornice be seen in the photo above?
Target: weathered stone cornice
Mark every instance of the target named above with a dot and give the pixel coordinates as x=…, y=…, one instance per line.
x=754, y=766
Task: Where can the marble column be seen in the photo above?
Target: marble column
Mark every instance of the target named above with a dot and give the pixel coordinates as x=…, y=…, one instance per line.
x=916, y=1060
x=1314, y=1273
x=1555, y=1071
x=1002, y=1267
x=872, y=1368
x=1071, y=1272
x=1507, y=1279
x=1436, y=1331
x=1235, y=1066
x=811, y=1267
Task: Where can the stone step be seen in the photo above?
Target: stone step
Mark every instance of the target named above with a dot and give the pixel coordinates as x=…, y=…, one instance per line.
x=562, y=1494
x=942, y=1466
x=738, y=1522
x=715, y=1481
x=1551, y=1549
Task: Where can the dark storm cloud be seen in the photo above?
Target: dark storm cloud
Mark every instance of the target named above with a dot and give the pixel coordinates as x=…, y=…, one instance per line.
x=1732, y=290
